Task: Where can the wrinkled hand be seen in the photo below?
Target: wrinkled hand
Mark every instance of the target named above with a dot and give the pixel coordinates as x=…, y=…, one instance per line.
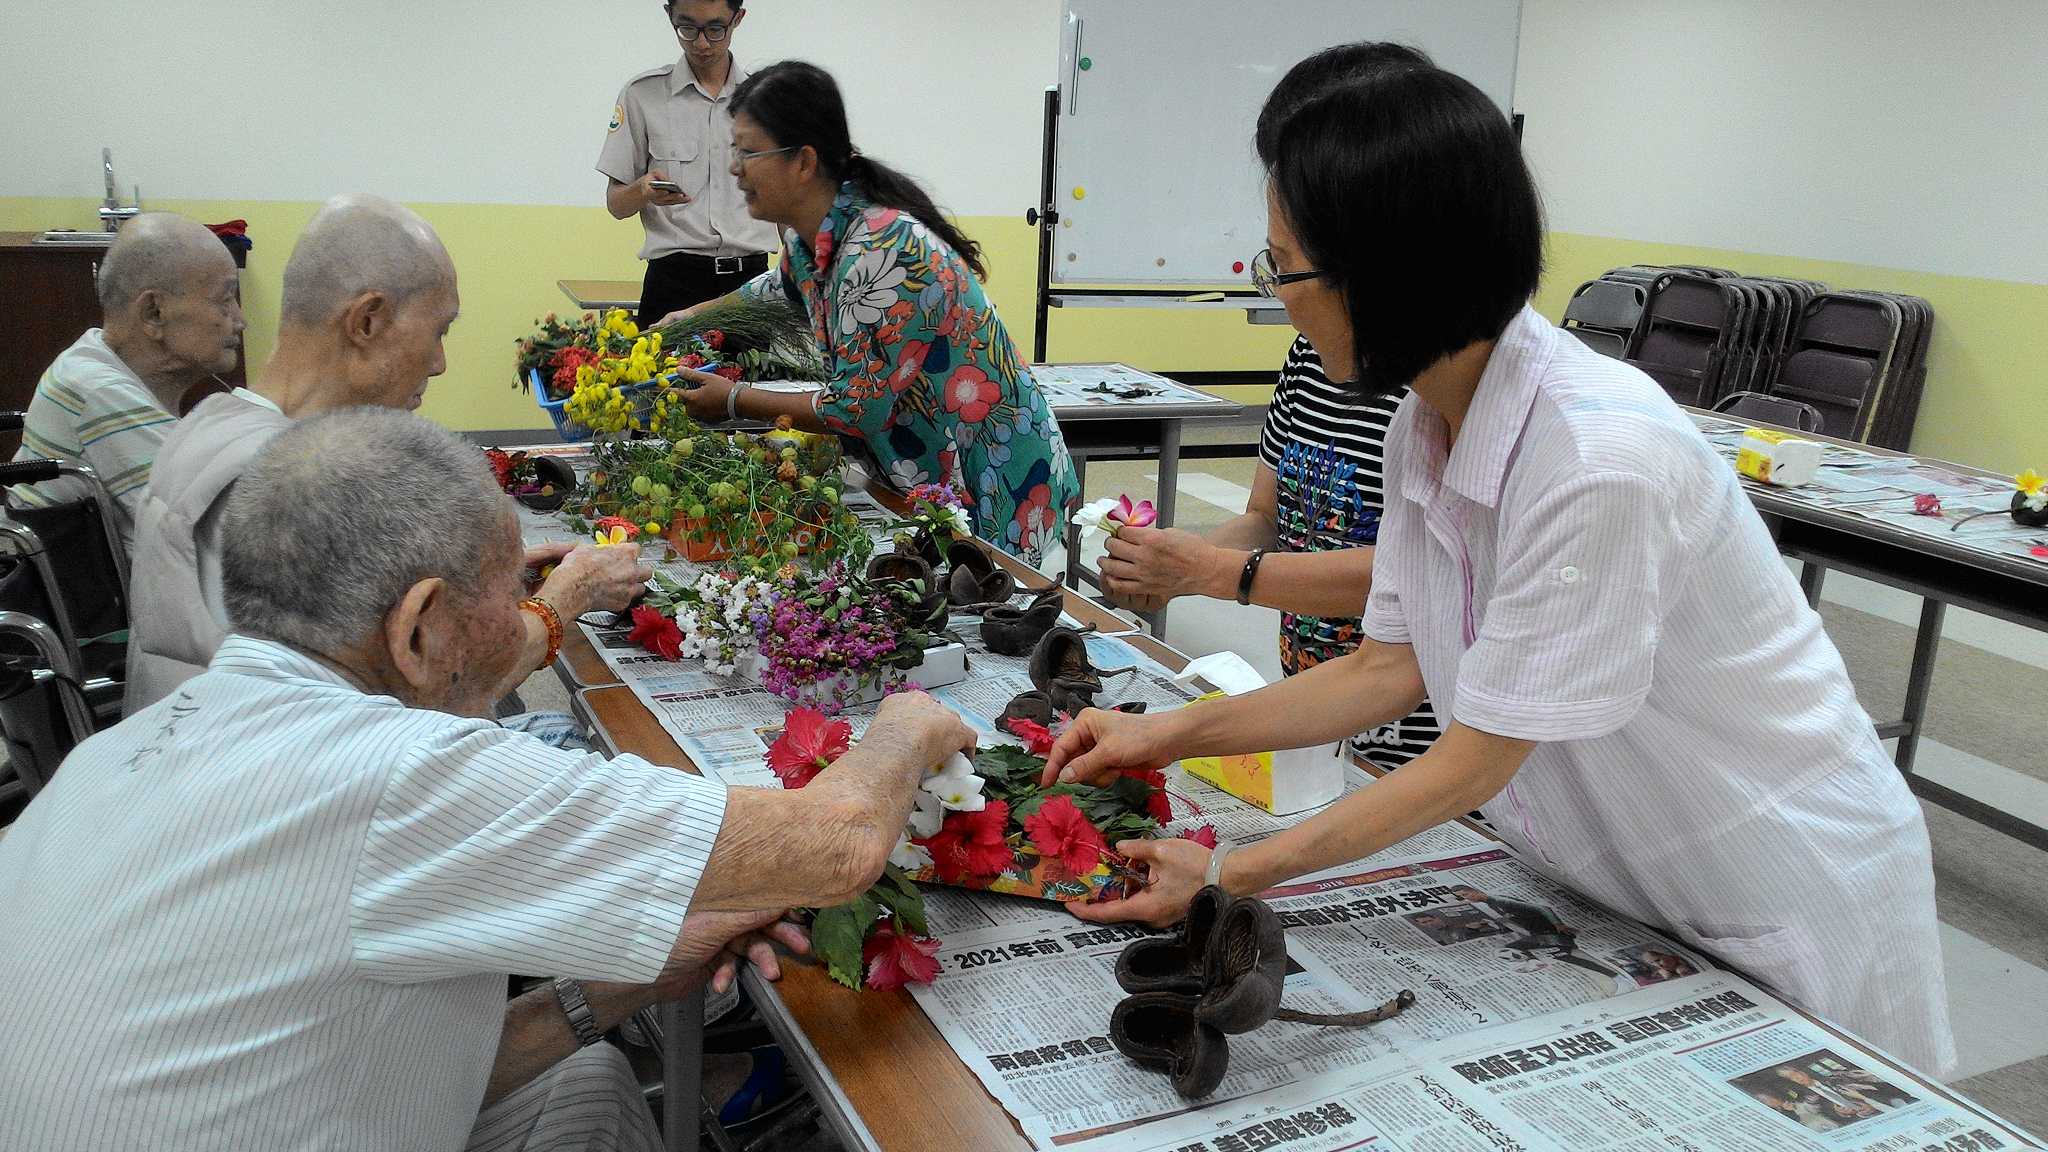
x=1174, y=869
x=1158, y=563
x=711, y=946
x=933, y=730
x=541, y=556
x=656, y=196
x=595, y=578
x=1098, y=744
x=704, y=394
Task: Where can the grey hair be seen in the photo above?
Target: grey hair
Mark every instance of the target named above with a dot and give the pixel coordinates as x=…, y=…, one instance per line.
x=345, y=511
x=360, y=243
x=156, y=251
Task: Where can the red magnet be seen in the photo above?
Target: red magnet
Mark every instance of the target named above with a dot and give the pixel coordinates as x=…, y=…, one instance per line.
x=1237, y=265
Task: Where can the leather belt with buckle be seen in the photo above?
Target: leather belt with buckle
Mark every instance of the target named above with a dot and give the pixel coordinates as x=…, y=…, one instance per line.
x=728, y=265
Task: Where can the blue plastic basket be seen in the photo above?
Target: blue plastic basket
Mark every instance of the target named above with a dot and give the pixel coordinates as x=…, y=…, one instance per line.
x=566, y=428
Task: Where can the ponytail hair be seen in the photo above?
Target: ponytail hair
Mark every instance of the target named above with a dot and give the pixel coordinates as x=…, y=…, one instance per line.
x=798, y=105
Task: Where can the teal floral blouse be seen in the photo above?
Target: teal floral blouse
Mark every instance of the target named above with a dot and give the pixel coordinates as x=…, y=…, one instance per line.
x=924, y=373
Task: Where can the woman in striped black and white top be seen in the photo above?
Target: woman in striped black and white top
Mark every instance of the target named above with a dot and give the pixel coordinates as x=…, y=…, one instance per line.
x=1315, y=506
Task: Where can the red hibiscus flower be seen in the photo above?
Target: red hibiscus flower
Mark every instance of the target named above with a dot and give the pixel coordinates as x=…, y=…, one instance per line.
x=501, y=465
x=1038, y=739
x=1205, y=835
x=1156, y=804
x=909, y=365
x=656, y=633
x=971, y=844
x=971, y=393
x=894, y=957
x=1060, y=831
x=808, y=745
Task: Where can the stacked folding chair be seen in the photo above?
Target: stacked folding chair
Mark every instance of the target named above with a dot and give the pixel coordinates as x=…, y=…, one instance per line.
x=1603, y=314
x=1861, y=358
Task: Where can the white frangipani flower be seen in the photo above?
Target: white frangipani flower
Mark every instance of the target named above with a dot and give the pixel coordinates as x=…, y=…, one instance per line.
x=1089, y=517
x=928, y=814
x=957, y=793
x=909, y=857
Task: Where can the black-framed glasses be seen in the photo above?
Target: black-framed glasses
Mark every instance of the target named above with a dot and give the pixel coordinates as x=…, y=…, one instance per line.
x=716, y=32
x=1269, y=280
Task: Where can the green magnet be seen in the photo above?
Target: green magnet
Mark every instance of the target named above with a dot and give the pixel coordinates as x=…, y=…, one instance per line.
x=1086, y=63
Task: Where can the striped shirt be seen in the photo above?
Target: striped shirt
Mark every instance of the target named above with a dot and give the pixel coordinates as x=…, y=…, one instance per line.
x=1582, y=571
x=271, y=911
x=90, y=409
x=1324, y=449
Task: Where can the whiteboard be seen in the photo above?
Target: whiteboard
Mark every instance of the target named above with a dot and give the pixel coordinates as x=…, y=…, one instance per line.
x=1156, y=180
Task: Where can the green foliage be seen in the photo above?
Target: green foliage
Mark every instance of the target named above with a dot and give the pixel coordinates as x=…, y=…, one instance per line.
x=836, y=935
x=766, y=339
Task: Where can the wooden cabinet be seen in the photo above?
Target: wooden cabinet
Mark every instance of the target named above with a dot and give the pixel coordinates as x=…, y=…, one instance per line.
x=47, y=299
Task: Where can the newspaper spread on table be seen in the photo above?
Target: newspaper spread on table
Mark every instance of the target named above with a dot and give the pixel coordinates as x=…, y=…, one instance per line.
x=1884, y=488
x=1071, y=386
x=1622, y=1039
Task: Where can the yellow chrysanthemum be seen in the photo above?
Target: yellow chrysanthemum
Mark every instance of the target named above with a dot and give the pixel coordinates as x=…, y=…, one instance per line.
x=2031, y=482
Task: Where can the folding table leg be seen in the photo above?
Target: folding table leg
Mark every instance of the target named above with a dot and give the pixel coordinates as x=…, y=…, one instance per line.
x=1919, y=679
x=1169, y=491
x=1073, y=534
x=682, y=1071
x=1810, y=577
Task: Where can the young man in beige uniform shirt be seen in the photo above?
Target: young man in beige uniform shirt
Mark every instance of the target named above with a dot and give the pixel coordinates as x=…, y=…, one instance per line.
x=670, y=127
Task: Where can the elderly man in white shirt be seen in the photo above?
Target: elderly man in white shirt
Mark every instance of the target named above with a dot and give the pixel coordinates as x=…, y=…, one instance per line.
x=369, y=295
x=277, y=909
x=1636, y=694
x=172, y=303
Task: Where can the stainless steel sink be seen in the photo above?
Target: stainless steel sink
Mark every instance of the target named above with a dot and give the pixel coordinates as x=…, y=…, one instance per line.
x=70, y=239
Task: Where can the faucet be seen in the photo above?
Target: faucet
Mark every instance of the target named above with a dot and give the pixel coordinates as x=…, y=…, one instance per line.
x=112, y=214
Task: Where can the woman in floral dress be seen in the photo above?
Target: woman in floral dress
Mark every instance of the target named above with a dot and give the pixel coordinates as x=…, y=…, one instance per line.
x=922, y=370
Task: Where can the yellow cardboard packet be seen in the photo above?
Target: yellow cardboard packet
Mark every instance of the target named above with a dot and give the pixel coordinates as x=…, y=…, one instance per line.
x=1282, y=782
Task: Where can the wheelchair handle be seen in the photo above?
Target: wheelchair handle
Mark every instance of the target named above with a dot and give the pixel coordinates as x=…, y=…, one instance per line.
x=27, y=471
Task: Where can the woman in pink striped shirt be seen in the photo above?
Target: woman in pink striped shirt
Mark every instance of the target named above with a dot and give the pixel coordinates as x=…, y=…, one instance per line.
x=1632, y=687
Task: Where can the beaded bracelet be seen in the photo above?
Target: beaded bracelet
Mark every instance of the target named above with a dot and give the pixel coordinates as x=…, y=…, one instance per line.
x=550, y=620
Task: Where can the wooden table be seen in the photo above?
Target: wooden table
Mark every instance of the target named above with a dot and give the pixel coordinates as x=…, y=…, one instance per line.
x=867, y=1056
x=593, y=295
x=863, y=1055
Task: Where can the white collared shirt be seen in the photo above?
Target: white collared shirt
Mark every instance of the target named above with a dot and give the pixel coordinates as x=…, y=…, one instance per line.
x=271, y=911
x=1583, y=571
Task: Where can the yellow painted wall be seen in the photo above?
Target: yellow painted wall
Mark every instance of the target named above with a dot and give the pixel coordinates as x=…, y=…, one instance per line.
x=508, y=258
x=1985, y=404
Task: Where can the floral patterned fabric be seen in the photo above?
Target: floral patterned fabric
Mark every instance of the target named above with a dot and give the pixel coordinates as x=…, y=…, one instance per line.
x=923, y=371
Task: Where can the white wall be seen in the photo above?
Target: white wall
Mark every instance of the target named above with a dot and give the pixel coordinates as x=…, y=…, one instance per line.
x=473, y=101
x=1903, y=133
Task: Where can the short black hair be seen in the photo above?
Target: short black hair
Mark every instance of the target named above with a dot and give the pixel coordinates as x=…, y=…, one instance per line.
x=1407, y=188
x=1317, y=74
x=669, y=6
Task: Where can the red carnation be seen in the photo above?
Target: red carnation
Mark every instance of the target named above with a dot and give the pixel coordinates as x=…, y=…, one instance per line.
x=808, y=745
x=656, y=633
x=1060, y=831
x=690, y=360
x=971, y=844
x=1038, y=739
x=501, y=465
x=714, y=338
x=894, y=957
x=729, y=371
x=1205, y=836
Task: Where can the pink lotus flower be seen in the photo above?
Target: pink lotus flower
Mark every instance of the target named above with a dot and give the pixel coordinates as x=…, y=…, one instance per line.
x=1139, y=515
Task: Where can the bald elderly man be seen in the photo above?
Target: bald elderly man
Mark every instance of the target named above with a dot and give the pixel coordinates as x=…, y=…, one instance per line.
x=277, y=909
x=173, y=318
x=369, y=294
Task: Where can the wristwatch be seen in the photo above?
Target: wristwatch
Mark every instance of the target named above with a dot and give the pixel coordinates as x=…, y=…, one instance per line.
x=569, y=994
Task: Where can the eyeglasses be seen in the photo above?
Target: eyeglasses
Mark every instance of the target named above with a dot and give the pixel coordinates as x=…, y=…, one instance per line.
x=716, y=33
x=741, y=155
x=1269, y=280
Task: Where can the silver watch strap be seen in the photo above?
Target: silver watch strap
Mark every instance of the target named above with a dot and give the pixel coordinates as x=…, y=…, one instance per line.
x=569, y=994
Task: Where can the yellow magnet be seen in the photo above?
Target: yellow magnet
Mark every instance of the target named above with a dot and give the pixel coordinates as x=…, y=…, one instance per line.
x=1080, y=193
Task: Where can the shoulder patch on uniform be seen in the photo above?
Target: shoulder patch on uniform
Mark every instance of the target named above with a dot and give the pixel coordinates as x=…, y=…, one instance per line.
x=618, y=117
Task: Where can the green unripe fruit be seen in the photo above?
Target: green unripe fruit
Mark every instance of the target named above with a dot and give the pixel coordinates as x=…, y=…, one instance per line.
x=641, y=485
x=660, y=494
